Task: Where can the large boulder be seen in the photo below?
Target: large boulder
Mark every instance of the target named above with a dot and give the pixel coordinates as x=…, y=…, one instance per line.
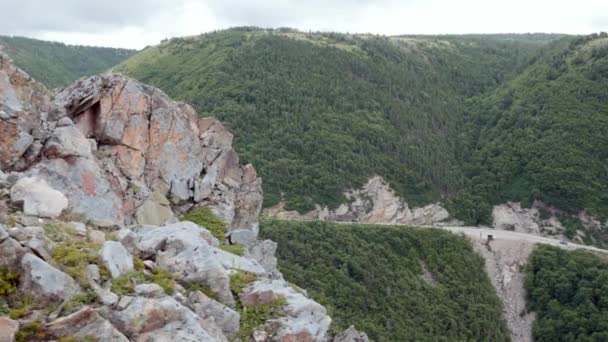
x=38, y=198
x=234, y=262
x=264, y=253
x=83, y=324
x=159, y=319
x=116, y=258
x=186, y=250
x=304, y=320
x=145, y=138
x=156, y=210
x=44, y=281
x=227, y=319
x=11, y=250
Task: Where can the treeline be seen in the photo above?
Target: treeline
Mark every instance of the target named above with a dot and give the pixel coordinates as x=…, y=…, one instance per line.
x=393, y=283
x=569, y=293
x=57, y=64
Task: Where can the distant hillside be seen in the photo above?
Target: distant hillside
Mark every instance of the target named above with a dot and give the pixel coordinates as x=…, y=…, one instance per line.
x=542, y=136
x=57, y=64
x=393, y=283
x=321, y=113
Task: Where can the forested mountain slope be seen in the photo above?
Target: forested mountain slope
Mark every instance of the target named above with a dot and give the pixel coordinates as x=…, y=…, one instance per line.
x=543, y=135
x=321, y=113
x=395, y=284
x=568, y=292
x=57, y=64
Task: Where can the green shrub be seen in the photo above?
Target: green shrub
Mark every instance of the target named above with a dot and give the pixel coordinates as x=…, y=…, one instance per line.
x=240, y=280
x=568, y=293
x=8, y=282
x=164, y=279
x=138, y=264
x=74, y=255
x=32, y=331
x=237, y=249
x=18, y=312
x=204, y=217
x=59, y=232
x=194, y=286
x=254, y=316
x=4, y=309
x=78, y=302
x=125, y=284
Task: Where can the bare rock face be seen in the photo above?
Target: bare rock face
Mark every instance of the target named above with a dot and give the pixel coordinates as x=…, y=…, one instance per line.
x=148, y=144
x=123, y=152
x=24, y=107
x=83, y=324
x=374, y=203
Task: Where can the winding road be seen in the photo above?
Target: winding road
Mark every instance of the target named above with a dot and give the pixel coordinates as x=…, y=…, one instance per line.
x=482, y=233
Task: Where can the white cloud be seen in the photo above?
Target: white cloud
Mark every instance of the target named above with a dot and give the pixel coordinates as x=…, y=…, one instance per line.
x=136, y=23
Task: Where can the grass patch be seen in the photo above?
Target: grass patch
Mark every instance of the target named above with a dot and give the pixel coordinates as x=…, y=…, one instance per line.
x=78, y=302
x=240, y=280
x=195, y=286
x=75, y=255
x=125, y=284
x=237, y=249
x=138, y=264
x=254, y=316
x=58, y=232
x=8, y=282
x=20, y=306
x=32, y=331
x=204, y=217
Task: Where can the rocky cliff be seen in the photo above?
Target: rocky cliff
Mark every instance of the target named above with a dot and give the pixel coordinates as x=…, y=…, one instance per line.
x=93, y=183
x=374, y=203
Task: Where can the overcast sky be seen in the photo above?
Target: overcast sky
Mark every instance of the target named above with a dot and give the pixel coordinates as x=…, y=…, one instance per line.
x=137, y=23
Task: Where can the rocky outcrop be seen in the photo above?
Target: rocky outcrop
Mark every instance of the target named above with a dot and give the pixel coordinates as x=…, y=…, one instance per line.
x=541, y=219
x=305, y=320
x=120, y=162
x=374, y=203
x=46, y=282
x=123, y=152
x=25, y=105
